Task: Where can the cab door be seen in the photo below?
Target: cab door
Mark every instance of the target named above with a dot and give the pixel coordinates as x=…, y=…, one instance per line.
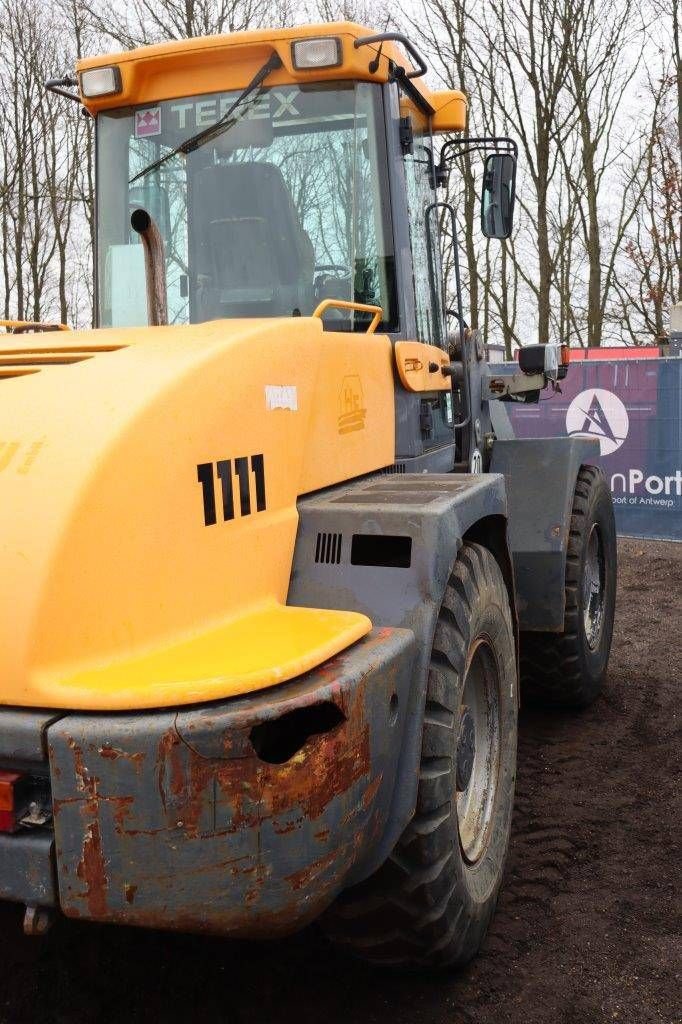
x=436, y=415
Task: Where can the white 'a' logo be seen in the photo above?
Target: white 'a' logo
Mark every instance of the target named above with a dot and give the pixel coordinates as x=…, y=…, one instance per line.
x=601, y=414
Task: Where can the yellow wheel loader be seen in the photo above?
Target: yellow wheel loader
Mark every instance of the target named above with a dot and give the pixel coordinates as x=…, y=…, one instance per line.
x=270, y=553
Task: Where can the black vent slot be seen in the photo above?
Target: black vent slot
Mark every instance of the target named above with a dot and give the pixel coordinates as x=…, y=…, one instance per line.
x=328, y=548
x=382, y=551
x=397, y=467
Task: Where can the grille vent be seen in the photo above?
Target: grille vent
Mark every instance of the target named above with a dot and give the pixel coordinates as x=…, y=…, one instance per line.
x=397, y=467
x=328, y=548
x=18, y=362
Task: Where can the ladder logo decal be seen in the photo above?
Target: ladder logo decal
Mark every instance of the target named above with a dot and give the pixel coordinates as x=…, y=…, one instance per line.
x=601, y=414
x=352, y=411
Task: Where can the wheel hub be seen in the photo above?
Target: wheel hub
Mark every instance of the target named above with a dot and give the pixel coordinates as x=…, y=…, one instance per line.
x=466, y=749
x=593, y=588
x=478, y=751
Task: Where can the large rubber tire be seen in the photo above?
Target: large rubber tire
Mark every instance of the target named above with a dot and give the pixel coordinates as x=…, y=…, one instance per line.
x=428, y=906
x=568, y=669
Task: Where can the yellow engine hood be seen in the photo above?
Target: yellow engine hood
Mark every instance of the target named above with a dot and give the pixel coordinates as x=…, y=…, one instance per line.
x=117, y=589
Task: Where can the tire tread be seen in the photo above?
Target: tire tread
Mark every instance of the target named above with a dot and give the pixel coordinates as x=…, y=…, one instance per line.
x=408, y=912
x=551, y=672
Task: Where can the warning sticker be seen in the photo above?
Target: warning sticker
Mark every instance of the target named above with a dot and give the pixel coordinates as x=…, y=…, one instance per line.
x=281, y=396
x=147, y=122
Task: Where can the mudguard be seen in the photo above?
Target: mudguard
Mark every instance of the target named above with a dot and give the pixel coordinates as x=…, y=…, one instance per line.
x=385, y=546
x=540, y=476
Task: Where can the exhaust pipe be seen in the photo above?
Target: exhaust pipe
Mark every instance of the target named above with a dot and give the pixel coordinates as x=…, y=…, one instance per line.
x=154, y=266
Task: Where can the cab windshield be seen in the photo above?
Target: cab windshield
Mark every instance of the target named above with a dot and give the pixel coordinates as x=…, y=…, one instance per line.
x=268, y=219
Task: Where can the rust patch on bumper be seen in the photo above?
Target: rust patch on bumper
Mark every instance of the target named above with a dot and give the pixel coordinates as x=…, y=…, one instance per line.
x=113, y=753
x=168, y=758
x=245, y=791
x=91, y=871
x=310, y=872
x=91, y=866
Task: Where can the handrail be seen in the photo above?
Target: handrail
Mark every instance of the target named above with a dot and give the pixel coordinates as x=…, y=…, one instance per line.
x=361, y=307
x=397, y=37
x=20, y=326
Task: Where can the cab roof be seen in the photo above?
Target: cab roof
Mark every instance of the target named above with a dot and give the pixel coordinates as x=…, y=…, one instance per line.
x=189, y=67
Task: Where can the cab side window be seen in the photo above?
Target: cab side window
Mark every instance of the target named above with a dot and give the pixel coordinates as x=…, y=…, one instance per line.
x=425, y=251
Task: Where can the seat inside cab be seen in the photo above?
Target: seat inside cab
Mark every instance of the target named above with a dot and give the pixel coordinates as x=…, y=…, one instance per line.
x=253, y=257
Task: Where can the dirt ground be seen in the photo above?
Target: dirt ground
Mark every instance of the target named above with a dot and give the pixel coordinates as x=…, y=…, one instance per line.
x=588, y=928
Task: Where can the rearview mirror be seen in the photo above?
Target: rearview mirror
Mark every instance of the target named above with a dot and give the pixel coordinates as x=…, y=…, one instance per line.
x=154, y=200
x=497, y=197
x=250, y=132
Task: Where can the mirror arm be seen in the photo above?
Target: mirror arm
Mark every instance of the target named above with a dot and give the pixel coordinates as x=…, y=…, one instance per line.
x=473, y=144
x=57, y=86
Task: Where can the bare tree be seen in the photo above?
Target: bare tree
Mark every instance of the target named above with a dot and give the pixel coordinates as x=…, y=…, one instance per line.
x=141, y=22
x=366, y=12
x=85, y=40
x=596, y=250
x=444, y=27
x=647, y=282
x=43, y=141
x=513, y=63
x=602, y=62
x=531, y=41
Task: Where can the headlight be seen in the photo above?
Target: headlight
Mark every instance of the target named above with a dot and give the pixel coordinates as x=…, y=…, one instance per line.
x=100, y=82
x=309, y=54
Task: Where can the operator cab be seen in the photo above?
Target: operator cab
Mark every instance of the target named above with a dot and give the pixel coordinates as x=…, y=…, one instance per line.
x=292, y=174
x=278, y=185
x=282, y=210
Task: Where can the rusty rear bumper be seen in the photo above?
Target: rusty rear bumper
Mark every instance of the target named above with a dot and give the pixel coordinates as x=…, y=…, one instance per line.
x=27, y=856
x=245, y=817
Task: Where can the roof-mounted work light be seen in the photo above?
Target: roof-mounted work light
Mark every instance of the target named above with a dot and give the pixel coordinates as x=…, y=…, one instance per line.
x=100, y=82
x=311, y=54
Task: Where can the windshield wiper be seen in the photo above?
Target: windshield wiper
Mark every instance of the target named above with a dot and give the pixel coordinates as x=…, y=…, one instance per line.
x=220, y=127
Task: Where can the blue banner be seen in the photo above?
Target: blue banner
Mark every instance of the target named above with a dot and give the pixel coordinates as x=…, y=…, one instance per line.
x=634, y=408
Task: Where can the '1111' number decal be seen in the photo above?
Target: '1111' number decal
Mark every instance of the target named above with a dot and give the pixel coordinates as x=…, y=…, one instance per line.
x=226, y=472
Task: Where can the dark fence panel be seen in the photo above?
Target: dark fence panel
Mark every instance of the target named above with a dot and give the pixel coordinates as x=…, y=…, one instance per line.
x=634, y=407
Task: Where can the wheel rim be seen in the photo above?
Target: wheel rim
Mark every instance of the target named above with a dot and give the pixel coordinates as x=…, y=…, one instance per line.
x=481, y=704
x=593, y=588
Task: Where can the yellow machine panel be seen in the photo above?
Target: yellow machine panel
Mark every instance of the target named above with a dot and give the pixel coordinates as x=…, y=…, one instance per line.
x=148, y=488
x=451, y=111
x=420, y=366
